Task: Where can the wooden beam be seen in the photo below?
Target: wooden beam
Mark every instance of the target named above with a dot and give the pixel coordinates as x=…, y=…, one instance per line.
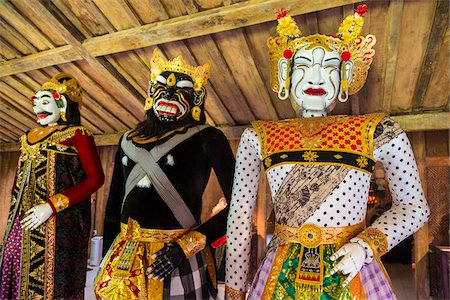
x=409, y=123
x=60, y=55
x=184, y=27
x=437, y=161
x=437, y=37
x=207, y=22
x=395, y=15
x=424, y=122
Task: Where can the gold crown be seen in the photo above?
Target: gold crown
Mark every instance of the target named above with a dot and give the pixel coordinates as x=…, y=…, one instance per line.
x=69, y=87
x=348, y=39
x=198, y=74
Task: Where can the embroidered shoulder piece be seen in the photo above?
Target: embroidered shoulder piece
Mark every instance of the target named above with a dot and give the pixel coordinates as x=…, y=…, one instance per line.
x=335, y=140
x=376, y=239
x=192, y=243
x=49, y=139
x=386, y=130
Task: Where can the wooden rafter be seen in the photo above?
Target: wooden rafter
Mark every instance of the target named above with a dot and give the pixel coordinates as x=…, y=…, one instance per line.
x=437, y=37
x=184, y=27
x=395, y=15
x=134, y=104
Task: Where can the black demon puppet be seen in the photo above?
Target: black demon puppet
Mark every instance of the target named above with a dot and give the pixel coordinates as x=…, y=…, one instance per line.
x=157, y=247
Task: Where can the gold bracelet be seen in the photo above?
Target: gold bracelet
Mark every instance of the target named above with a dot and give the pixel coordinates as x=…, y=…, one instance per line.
x=192, y=243
x=232, y=294
x=59, y=201
x=376, y=239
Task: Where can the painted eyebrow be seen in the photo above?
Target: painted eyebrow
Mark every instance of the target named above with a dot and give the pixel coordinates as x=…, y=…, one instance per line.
x=331, y=59
x=305, y=58
x=45, y=96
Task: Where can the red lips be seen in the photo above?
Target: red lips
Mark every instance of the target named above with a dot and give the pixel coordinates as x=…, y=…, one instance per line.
x=315, y=92
x=42, y=115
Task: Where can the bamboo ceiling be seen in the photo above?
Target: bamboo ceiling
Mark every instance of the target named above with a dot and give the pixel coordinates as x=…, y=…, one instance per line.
x=107, y=45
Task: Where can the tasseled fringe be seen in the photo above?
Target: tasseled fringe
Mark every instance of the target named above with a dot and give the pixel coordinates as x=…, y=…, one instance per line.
x=304, y=291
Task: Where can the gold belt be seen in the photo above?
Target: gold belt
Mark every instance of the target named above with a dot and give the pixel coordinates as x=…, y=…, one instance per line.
x=132, y=231
x=311, y=235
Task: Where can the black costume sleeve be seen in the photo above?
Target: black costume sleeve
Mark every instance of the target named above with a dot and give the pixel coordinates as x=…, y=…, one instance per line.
x=111, y=226
x=222, y=161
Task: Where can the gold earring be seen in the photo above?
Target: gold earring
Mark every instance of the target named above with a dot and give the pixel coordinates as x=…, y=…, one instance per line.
x=195, y=112
x=63, y=116
x=148, y=103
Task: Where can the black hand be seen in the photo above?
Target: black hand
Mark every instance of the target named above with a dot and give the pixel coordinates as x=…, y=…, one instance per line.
x=166, y=261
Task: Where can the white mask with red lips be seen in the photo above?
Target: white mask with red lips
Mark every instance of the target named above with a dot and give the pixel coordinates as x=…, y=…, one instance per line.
x=315, y=80
x=48, y=107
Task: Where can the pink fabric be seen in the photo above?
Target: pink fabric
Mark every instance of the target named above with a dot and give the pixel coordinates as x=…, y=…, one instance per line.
x=261, y=276
x=10, y=279
x=375, y=283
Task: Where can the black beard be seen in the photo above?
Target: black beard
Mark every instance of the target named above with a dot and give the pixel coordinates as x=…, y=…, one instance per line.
x=153, y=127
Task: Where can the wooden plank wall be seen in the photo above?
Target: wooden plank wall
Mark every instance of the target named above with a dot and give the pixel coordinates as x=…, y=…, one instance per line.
x=431, y=150
x=8, y=165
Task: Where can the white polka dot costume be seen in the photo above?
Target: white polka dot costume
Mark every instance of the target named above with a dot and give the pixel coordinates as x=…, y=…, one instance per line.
x=344, y=206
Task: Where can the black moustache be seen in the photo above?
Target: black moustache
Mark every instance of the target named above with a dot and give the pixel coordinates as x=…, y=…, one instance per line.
x=44, y=113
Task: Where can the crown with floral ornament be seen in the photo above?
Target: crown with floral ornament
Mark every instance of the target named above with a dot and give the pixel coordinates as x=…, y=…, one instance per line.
x=198, y=74
x=69, y=87
x=347, y=42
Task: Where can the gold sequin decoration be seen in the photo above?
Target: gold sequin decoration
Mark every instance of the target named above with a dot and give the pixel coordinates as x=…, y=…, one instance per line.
x=192, y=243
x=59, y=201
x=232, y=294
x=376, y=239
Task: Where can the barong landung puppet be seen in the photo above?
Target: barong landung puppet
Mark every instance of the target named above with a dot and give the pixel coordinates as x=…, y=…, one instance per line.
x=161, y=170
x=44, y=252
x=319, y=170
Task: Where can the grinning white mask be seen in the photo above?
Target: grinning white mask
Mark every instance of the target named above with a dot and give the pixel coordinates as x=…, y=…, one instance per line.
x=47, y=108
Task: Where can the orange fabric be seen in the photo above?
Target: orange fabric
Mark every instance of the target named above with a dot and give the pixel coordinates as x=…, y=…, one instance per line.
x=342, y=133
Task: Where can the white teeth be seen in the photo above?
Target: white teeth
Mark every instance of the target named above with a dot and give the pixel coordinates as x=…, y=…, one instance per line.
x=173, y=110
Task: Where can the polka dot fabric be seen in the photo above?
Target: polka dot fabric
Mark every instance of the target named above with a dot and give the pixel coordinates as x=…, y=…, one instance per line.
x=346, y=205
x=245, y=187
x=409, y=209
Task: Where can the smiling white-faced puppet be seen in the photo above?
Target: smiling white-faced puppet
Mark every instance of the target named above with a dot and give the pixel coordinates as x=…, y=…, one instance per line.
x=319, y=169
x=158, y=248
x=44, y=251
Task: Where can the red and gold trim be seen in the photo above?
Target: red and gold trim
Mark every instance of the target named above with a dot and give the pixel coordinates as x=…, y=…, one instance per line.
x=352, y=134
x=376, y=239
x=336, y=140
x=232, y=294
x=58, y=202
x=192, y=243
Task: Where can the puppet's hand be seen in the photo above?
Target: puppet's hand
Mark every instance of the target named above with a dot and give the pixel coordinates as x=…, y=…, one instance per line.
x=166, y=261
x=353, y=256
x=37, y=215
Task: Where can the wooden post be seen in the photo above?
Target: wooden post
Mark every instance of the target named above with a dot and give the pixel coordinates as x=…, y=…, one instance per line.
x=421, y=239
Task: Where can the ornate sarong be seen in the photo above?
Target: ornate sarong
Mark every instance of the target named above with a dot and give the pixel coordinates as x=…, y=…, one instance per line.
x=55, y=253
x=122, y=274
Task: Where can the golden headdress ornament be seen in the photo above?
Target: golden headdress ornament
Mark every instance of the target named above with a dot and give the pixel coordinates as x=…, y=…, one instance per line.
x=198, y=74
x=68, y=86
x=348, y=42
